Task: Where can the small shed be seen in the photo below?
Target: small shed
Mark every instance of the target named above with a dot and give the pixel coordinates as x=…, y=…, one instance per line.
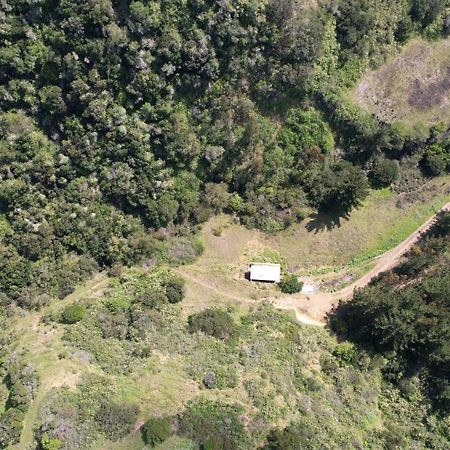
x=308, y=289
x=265, y=272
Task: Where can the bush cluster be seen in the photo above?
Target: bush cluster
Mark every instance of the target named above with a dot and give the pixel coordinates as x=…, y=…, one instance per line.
x=156, y=430
x=73, y=313
x=290, y=284
x=214, y=425
x=403, y=315
x=116, y=420
x=23, y=384
x=213, y=322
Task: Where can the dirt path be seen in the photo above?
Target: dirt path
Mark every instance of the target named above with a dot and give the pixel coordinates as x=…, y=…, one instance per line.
x=209, y=287
x=315, y=307
x=312, y=309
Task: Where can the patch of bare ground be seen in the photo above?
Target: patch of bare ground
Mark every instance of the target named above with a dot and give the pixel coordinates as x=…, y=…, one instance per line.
x=413, y=87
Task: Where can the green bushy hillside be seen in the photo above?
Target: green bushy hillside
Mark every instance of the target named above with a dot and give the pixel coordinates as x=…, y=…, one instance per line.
x=119, y=118
x=124, y=126
x=262, y=381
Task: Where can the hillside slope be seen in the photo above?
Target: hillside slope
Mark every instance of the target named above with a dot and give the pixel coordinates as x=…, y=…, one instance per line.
x=413, y=87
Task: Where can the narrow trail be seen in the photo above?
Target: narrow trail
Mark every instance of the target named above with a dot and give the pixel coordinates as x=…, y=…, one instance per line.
x=208, y=286
x=312, y=309
x=61, y=373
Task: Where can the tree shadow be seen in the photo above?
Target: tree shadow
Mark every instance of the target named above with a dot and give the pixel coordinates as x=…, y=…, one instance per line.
x=325, y=222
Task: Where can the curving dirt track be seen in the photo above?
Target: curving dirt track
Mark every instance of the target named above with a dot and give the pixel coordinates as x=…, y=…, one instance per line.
x=312, y=309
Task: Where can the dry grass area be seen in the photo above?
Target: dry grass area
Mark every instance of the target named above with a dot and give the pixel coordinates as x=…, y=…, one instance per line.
x=383, y=221
x=330, y=255
x=413, y=87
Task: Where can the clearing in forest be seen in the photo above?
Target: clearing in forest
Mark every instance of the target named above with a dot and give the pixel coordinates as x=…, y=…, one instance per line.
x=331, y=256
x=413, y=87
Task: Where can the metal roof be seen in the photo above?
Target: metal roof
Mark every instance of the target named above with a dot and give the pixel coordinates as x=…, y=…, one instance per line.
x=265, y=272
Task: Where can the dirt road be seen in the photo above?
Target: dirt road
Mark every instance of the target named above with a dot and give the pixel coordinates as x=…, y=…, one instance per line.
x=312, y=309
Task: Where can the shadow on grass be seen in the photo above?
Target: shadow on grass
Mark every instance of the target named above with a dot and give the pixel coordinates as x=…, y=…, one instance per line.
x=325, y=222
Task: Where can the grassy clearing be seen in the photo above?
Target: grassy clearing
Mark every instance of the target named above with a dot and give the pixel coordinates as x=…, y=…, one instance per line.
x=332, y=258
x=310, y=248
x=383, y=221
x=412, y=88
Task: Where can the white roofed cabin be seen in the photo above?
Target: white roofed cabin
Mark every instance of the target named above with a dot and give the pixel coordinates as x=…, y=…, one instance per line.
x=265, y=272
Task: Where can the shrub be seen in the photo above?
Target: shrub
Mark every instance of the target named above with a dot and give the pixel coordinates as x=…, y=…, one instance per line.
x=216, y=196
x=215, y=425
x=10, y=427
x=48, y=443
x=235, y=203
x=115, y=420
x=113, y=325
x=384, y=172
x=115, y=304
x=184, y=251
x=156, y=430
x=345, y=352
x=290, y=284
x=433, y=164
x=214, y=322
x=174, y=289
x=152, y=298
x=210, y=380
x=286, y=439
x=73, y=313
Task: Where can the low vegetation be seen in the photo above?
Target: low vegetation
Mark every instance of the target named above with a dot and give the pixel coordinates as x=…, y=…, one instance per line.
x=290, y=284
x=254, y=390
x=412, y=87
x=116, y=420
x=73, y=313
x=213, y=322
x=22, y=382
x=156, y=430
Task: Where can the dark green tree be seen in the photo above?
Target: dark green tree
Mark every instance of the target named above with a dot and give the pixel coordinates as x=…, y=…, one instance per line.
x=156, y=430
x=338, y=188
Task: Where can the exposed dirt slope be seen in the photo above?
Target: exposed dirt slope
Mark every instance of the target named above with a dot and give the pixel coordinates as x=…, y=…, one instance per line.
x=413, y=87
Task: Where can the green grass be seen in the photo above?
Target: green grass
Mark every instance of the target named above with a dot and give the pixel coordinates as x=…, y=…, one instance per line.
x=382, y=222
x=132, y=442
x=407, y=224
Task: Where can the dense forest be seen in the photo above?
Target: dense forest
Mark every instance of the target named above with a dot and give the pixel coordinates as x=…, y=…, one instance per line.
x=125, y=125
x=119, y=118
x=404, y=315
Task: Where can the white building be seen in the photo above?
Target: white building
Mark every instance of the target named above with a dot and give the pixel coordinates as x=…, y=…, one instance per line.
x=265, y=272
x=308, y=289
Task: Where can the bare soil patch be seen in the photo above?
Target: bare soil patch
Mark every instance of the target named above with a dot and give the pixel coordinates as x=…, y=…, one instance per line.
x=413, y=87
